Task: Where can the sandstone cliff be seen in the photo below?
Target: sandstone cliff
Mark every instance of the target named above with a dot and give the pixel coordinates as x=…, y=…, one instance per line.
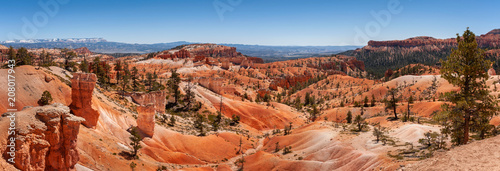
x=46, y=139
x=81, y=94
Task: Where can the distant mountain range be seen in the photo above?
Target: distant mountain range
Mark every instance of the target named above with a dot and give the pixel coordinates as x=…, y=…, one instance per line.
x=101, y=45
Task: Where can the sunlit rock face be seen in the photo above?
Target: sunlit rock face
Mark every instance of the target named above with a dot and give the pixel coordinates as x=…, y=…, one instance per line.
x=157, y=98
x=47, y=138
x=146, y=119
x=82, y=86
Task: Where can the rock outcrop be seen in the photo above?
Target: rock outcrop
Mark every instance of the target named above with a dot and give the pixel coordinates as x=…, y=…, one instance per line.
x=82, y=86
x=83, y=51
x=157, y=98
x=492, y=72
x=201, y=51
x=46, y=139
x=289, y=81
x=146, y=119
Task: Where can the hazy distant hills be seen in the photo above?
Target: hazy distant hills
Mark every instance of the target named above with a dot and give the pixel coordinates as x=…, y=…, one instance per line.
x=102, y=46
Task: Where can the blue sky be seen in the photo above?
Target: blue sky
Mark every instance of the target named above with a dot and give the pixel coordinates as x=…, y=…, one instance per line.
x=263, y=22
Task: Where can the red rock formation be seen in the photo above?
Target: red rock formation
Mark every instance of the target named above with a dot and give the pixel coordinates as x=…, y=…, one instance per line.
x=214, y=85
x=172, y=55
x=198, y=58
x=82, y=51
x=225, y=64
x=262, y=92
x=289, y=81
x=157, y=98
x=201, y=51
x=146, y=119
x=47, y=138
x=82, y=86
x=4, y=49
x=491, y=72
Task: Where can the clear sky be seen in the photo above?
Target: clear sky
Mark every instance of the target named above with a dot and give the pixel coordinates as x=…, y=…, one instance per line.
x=263, y=22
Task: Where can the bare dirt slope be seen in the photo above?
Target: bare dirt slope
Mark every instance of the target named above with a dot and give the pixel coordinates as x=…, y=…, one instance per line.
x=30, y=85
x=478, y=155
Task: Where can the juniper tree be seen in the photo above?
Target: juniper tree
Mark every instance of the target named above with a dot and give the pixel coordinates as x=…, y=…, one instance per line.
x=471, y=106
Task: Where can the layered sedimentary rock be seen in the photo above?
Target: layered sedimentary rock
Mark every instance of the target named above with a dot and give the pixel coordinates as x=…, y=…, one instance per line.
x=46, y=139
x=175, y=54
x=82, y=86
x=146, y=119
x=157, y=98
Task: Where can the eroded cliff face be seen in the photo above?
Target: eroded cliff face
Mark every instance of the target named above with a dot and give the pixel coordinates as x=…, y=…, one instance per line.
x=46, y=138
x=157, y=98
x=146, y=119
x=82, y=86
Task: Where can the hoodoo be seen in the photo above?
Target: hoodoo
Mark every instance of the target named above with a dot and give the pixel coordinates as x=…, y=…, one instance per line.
x=146, y=119
x=82, y=86
x=47, y=138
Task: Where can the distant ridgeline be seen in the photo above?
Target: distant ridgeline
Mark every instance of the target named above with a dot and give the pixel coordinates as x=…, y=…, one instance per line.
x=379, y=56
x=117, y=49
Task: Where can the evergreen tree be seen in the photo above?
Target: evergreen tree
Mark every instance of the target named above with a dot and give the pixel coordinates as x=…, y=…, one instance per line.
x=135, y=78
x=46, y=99
x=125, y=78
x=471, y=106
x=360, y=121
x=349, y=117
x=198, y=124
x=392, y=103
x=307, y=99
x=136, y=139
x=12, y=54
x=118, y=68
x=172, y=121
x=67, y=55
x=365, y=102
x=23, y=57
x=373, y=101
x=408, y=112
x=84, y=65
x=173, y=84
